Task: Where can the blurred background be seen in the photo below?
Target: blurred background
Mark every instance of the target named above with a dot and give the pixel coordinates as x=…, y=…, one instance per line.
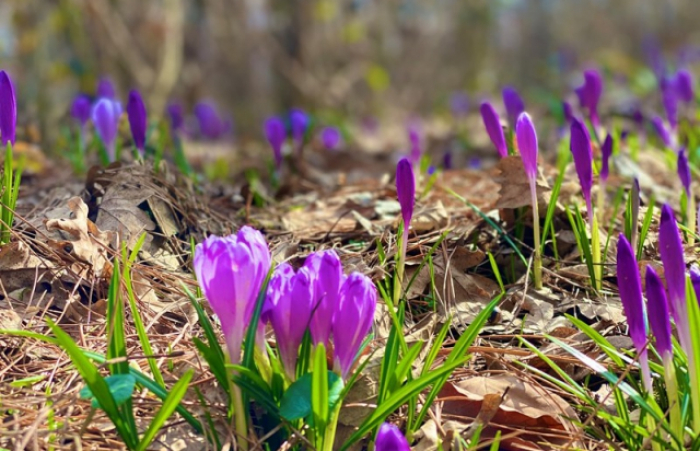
x=351, y=58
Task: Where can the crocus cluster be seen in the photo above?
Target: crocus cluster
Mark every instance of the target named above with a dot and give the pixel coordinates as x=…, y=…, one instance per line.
x=321, y=299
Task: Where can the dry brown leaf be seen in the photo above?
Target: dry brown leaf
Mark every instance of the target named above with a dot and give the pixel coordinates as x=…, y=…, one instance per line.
x=515, y=186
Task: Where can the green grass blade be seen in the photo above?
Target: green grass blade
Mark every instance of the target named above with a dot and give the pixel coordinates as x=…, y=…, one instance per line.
x=319, y=391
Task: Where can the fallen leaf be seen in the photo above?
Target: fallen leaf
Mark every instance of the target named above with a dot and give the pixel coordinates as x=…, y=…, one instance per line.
x=515, y=186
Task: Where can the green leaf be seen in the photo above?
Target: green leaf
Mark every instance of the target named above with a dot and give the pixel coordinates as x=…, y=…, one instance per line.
x=120, y=385
x=296, y=401
x=319, y=390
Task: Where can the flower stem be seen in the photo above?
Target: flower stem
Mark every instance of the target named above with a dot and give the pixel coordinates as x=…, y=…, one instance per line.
x=240, y=418
x=329, y=436
x=537, y=259
x=672, y=395
x=595, y=251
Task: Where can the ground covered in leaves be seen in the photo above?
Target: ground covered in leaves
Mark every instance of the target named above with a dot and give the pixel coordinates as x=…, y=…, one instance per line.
x=69, y=229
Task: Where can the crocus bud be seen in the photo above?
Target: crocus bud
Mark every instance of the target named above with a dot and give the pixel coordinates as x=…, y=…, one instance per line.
x=80, y=109
x=671, y=250
x=659, y=318
x=527, y=144
x=353, y=320
x=583, y=158
x=589, y=94
x=300, y=123
x=138, y=120
x=493, y=127
x=211, y=126
x=330, y=136
x=231, y=271
x=568, y=112
x=630, y=287
x=447, y=160
x=105, y=89
x=8, y=109
x=415, y=137
x=329, y=276
x=290, y=317
x=684, y=171
x=390, y=438
x=684, y=86
x=405, y=190
x=670, y=103
x=662, y=131
x=176, y=116
x=606, y=151
x=695, y=279
x=514, y=104
x=276, y=133
x=105, y=116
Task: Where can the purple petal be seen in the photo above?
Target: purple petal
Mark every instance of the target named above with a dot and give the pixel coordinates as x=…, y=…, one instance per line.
x=105, y=89
x=211, y=126
x=568, y=113
x=105, y=116
x=672, y=257
x=459, y=104
x=514, y=104
x=630, y=287
x=659, y=318
x=177, y=116
x=300, y=123
x=606, y=151
x=684, y=86
x=670, y=102
x=527, y=144
x=390, y=438
x=493, y=127
x=662, y=131
x=583, y=158
x=138, y=120
x=447, y=160
x=405, y=189
x=80, y=109
x=329, y=276
x=330, y=136
x=276, y=133
x=684, y=170
x=8, y=109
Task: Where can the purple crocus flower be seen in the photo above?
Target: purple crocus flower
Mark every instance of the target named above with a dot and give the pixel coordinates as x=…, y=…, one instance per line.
x=630, y=287
x=606, y=151
x=329, y=278
x=589, y=94
x=138, y=120
x=672, y=257
x=568, y=112
x=684, y=171
x=415, y=137
x=670, y=103
x=276, y=133
x=231, y=270
x=211, y=126
x=290, y=315
x=300, y=123
x=659, y=318
x=330, y=136
x=662, y=131
x=583, y=159
x=459, y=104
x=684, y=86
x=514, y=104
x=80, y=109
x=447, y=160
x=405, y=190
x=353, y=320
x=390, y=438
x=8, y=109
x=493, y=127
x=527, y=144
x=105, y=89
x=176, y=116
x=105, y=117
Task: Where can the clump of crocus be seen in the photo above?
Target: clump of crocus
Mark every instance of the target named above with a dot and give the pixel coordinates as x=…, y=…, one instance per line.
x=527, y=144
x=390, y=438
x=685, y=177
x=105, y=117
x=493, y=127
x=299, y=121
x=231, y=271
x=276, y=133
x=580, y=145
x=629, y=284
x=138, y=121
x=331, y=138
x=672, y=257
x=514, y=104
x=406, y=192
x=660, y=323
x=589, y=94
x=353, y=320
